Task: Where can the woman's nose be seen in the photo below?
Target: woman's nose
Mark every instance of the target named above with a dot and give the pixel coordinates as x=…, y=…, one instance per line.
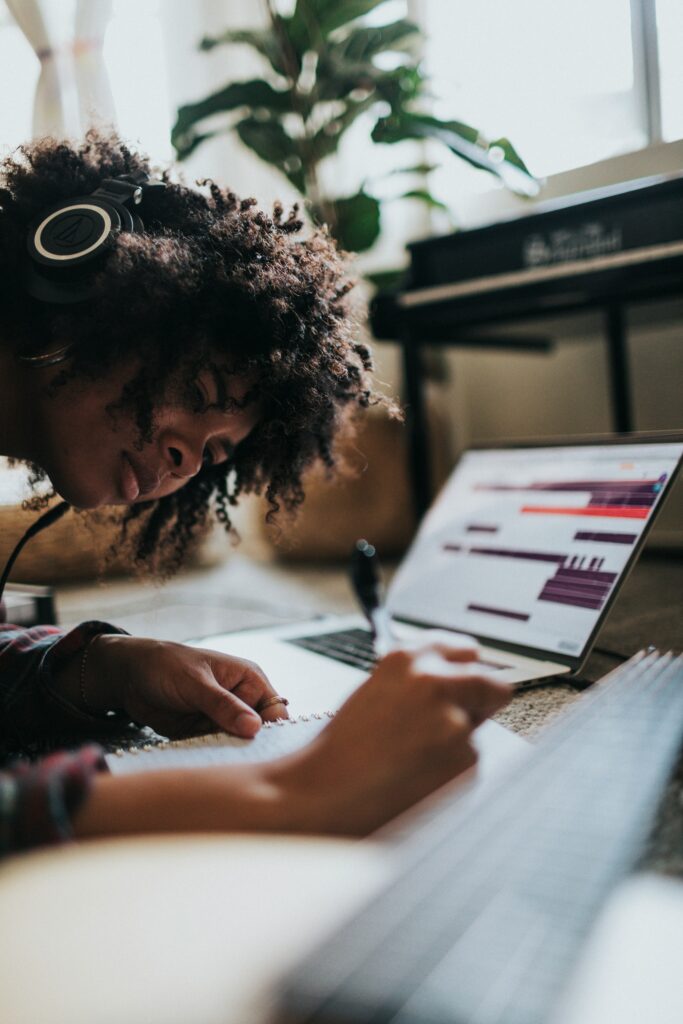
x=183, y=458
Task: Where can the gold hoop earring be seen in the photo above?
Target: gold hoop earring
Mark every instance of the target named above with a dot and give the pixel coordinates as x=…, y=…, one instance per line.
x=60, y=355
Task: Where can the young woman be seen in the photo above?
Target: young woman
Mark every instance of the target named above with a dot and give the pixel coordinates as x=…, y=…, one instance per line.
x=168, y=349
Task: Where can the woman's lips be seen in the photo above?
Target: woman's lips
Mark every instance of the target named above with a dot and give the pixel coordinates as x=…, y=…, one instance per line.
x=138, y=478
x=130, y=485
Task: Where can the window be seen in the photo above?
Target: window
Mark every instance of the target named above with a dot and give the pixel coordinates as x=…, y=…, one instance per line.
x=571, y=82
x=556, y=78
x=135, y=60
x=19, y=70
x=135, y=57
x=670, y=37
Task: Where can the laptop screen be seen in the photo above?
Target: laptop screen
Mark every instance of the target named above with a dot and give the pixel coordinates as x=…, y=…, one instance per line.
x=526, y=545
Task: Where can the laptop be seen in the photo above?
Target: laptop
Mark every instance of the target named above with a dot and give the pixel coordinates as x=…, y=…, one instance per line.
x=524, y=549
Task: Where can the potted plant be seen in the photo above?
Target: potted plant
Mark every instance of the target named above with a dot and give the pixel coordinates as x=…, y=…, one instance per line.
x=326, y=66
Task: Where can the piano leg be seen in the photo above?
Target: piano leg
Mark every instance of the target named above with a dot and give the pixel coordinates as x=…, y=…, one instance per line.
x=416, y=422
x=617, y=346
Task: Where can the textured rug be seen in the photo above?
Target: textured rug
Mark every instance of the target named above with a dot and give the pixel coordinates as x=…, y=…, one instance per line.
x=649, y=611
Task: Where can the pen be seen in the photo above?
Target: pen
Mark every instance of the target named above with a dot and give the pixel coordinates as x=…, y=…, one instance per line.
x=367, y=587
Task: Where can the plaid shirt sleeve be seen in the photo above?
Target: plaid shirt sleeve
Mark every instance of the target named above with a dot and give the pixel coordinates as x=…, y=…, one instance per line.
x=31, y=708
x=37, y=799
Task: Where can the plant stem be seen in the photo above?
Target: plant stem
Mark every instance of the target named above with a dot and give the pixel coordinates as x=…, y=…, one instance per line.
x=290, y=63
x=309, y=164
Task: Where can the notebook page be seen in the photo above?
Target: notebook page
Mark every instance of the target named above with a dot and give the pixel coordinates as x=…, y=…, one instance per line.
x=275, y=739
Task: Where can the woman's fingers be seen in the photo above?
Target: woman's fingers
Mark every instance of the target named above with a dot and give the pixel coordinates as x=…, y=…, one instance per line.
x=228, y=712
x=457, y=653
x=458, y=679
x=455, y=666
x=249, y=692
x=249, y=683
x=435, y=661
x=479, y=696
x=452, y=646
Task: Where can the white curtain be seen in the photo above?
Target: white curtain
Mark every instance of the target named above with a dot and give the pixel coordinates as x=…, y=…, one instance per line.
x=67, y=37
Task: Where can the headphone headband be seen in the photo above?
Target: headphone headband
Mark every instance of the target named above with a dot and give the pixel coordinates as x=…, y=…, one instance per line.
x=76, y=233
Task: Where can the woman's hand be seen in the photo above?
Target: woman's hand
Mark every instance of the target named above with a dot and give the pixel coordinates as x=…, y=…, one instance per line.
x=400, y=736
x=177, y=690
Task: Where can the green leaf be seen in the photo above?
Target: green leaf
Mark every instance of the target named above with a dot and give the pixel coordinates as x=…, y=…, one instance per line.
x=461, y=139
x=187, y=143
x=265, y=41
x=364, y=42
x=255, y=94
x=401, y=85
x=425, y=197
x=415, y=169
x=337, y=78
x=326, y=140
x=271, y=143
x=293, y=39
x=347, y=64
x=357, y=221
x=328, y=15
x=511, y=154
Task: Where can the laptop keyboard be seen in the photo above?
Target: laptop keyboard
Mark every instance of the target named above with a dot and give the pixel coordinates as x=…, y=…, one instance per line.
x=350, y=646
x=355, y=647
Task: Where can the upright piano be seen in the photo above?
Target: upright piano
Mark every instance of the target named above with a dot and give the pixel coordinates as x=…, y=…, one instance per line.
x=599, y=250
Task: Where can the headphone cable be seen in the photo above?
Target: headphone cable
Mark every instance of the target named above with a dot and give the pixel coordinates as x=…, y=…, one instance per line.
x=47, y=519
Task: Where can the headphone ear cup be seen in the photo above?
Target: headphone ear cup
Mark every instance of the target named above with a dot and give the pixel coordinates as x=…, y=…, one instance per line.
x=40, y=285
x=71, y=238
x=75, y=232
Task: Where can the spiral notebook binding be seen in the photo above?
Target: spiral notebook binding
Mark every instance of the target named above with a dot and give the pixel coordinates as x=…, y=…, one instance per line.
x=215, y=739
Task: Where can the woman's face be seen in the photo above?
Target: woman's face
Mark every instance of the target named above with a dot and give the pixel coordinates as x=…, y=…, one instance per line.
x=93, y=455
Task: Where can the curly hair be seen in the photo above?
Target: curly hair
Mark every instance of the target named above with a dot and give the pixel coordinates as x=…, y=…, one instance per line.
x=212, y=279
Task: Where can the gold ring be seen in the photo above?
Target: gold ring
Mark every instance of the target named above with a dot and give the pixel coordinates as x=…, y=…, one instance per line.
x=267, y=702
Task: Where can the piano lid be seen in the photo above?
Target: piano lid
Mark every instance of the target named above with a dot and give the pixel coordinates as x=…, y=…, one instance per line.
x=586, y=226
x=597, y=246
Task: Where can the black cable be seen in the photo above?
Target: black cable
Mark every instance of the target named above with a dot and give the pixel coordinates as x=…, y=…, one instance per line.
x=47, y=519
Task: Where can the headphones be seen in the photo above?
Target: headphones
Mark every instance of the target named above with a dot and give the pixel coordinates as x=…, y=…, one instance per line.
x=70, y=238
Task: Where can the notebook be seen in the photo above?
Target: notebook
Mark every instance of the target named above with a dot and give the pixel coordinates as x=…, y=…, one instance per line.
x=524, y=549
x=498, y=748
x=275, y=739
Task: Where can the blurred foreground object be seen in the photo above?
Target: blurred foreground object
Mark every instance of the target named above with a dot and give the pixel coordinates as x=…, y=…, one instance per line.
x=499, y=890
x=148, y=911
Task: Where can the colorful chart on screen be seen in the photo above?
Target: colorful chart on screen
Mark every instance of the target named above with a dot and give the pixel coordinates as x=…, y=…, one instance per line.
x=526, y=545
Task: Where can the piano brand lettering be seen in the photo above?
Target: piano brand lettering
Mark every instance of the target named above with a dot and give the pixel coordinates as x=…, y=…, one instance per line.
x=562, y=245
